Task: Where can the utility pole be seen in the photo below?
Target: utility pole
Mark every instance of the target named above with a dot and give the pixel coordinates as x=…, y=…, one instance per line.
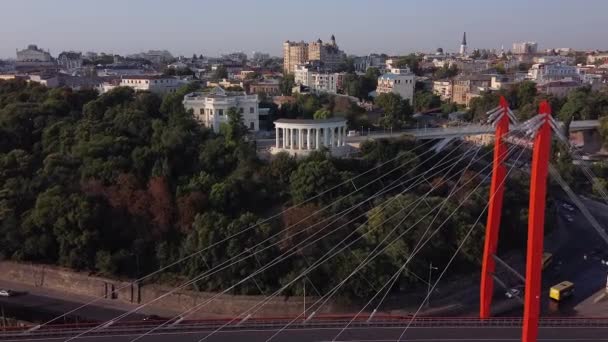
x=428, y=289
x=304, y=280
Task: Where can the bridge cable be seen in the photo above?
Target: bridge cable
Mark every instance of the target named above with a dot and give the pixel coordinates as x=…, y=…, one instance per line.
x=211, y=272
x=274, y=263
x=361, y=266
x=262, y=303
x=392, y=280
x=456, y=253
x=149, y=275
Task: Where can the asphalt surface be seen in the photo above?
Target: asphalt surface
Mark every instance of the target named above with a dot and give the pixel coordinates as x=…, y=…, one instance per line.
x=383, y=334
x=34, y=308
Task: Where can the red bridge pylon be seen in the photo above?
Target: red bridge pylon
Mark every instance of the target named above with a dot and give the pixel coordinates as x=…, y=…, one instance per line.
x=497, y=188
x=536, y=224
x=536, y=217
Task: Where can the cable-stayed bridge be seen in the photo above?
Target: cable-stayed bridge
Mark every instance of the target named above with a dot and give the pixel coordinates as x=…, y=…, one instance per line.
x=369, y=323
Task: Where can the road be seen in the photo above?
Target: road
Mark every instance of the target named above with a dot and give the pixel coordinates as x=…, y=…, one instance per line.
x=359, y=334
x=40, y=304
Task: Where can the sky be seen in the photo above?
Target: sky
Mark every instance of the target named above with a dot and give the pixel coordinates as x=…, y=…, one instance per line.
x=213, y=27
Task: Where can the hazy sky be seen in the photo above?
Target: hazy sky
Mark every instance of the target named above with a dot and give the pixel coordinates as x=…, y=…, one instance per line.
x=212, y=27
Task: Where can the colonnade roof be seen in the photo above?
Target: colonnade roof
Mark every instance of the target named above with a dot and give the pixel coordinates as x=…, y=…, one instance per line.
x=310, y=121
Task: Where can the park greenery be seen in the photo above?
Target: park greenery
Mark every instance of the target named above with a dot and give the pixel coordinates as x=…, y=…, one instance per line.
x=126, y=182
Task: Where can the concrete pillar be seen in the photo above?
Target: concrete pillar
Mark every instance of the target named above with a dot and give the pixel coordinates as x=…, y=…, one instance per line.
x=277, y=137
x=333, y=136
x=308, y=139
x=300, y=139
x=283, y=137
x=317, y=141
x=289, y=138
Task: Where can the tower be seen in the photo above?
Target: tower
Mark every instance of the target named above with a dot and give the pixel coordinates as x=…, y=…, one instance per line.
x=333, y=40
x=463, y=45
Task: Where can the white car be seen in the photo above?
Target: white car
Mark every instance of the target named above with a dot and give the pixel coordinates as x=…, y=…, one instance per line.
x=352, y=134
x=512, y=293
x=6, y=293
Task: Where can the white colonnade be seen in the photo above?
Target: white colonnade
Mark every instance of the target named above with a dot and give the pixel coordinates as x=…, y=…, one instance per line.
x=306, y=135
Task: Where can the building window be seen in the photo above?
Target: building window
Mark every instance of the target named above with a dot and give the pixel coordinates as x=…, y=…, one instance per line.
x=241, y=110
x=221, y=111
x=202, y=111
x=251, y=110
x=251, y=126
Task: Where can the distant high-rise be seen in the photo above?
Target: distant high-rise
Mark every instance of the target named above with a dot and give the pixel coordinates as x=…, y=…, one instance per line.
x=525, y=48
x=463, y=45
x=326, y=55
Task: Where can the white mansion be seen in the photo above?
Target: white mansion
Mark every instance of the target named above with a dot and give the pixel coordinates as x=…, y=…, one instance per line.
x=211, y=108
x=398, y=81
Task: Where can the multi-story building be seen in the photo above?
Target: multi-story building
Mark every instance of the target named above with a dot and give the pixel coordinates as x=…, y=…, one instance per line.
x=33, y=54
x=593, y=58
x=318, y=82
x=155, y=84
x=211, y=109
x=545, y=72
x=70, y=60
x=557, y=88
x=398, y=81
x=525, y=48
x=466, y=86
x=294, y=54
x=33, y=58
x=328, y=55
x=443, y=88
x=269, y=87
x=371, y=61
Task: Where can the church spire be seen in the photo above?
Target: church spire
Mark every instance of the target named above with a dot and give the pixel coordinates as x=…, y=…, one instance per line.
x=464, y=39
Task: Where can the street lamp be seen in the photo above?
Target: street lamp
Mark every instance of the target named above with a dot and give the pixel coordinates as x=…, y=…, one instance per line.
x=428, y=290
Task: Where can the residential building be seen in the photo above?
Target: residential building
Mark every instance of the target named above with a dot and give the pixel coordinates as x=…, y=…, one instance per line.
x=294, y=54
x=33, y=58
x=327, y=55
x=443, y=88
x=319, y=82
x=48, y=80
x=155, y=84
x=466, y=86
x=371, y=61
x=542, y=72
x=554, y=59
x=210, y=109
x=70, y=60
x=398, y=81
x=269, y=87
x=226, y=84
x=557, y=88
x=593, y=58
x=525, y=48
x=33, y=54
x=498, y=82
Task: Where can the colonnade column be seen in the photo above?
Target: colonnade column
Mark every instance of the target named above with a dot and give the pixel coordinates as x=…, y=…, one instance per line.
x=308, y=139
x=277, y=137
x=317, y=140
x=300, y=139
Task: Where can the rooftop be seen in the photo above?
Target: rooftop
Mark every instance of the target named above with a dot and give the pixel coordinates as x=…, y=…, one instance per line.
x=309, y=121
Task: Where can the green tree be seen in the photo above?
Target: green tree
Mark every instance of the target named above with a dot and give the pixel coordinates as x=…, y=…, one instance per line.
x=312, y=178
x=322, y=114
x=220, y=73
x=396, y=110
x=286, y=84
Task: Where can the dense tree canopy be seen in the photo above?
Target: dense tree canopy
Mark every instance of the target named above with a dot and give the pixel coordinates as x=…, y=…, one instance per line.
x=126, y=182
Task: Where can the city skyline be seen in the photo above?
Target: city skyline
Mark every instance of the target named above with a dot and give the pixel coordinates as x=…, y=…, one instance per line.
x=362, y=27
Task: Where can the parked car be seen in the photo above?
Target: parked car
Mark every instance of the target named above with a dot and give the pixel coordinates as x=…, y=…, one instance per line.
x=6, y=293
x=512, y=293
x=352, y=133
